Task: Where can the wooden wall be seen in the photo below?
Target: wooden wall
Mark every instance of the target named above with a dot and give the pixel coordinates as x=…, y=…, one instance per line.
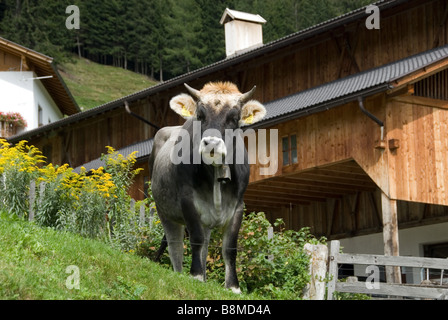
x=332, y=136
x=418, y=167
x=9, y=62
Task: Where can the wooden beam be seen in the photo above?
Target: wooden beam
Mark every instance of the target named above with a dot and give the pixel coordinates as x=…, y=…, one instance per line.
x=418, y=75
x=299, y=190
x=390, y=235
x=354, y=208
x=422, y=101
x=267, y=196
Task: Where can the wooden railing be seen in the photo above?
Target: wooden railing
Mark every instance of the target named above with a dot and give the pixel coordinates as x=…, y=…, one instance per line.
x=372, y=286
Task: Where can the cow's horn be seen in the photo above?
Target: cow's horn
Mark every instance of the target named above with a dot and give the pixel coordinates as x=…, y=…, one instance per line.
x=195, y=93
x=248, y=95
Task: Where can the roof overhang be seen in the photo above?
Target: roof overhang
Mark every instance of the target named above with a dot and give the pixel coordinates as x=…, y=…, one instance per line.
x=44, y=66
x=388, y=78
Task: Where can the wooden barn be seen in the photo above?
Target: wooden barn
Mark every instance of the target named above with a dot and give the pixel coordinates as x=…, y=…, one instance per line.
x=362, y=126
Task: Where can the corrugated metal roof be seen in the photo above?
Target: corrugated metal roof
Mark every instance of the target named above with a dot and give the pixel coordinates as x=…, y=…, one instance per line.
x=143, y=148
x=352, y=86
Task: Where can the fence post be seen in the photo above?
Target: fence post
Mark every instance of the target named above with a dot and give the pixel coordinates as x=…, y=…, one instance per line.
x=333, y=268
x=41, y=192
x=270, y=237
x=32, y=200
x=152, y=210
x=142, y=215
x=318, y=268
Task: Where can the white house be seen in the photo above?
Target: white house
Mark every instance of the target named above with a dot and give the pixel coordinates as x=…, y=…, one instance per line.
x=31, y=86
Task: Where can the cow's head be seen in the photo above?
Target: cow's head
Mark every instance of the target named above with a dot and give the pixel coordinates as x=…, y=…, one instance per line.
x=218, y=106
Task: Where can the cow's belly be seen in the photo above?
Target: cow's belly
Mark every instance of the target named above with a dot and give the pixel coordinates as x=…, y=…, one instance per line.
x=210, y=215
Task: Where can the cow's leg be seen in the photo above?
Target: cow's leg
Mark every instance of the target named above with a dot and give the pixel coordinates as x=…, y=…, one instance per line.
x=204, y=250
x=229, y=249
x=199, y=238
x=175, y=238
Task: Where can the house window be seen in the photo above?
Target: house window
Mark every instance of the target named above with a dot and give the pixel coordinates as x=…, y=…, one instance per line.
x=289, y=150
x=40, y=116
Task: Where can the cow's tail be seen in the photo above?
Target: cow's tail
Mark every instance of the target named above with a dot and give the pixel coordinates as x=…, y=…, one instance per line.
x=161, y=250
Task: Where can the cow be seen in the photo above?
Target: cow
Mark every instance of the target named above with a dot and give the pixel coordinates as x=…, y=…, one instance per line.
x=205, y=194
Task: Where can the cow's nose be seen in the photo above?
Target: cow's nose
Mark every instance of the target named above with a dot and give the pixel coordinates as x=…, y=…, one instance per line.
x=213, y=150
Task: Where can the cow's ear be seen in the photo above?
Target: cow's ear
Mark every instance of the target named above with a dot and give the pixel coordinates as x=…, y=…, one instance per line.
x=252, y=112
x=183, y=105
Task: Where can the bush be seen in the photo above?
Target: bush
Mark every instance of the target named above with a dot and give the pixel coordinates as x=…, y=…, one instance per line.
x=18, y=166
x=276, y=268
x=94, y=204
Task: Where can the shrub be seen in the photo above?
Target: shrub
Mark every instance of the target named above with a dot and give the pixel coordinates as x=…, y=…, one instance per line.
x=18, y=166
x=94, y=204
x=276, y=268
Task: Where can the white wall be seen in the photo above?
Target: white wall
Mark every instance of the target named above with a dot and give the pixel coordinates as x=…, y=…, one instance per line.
x=19, y=93
x=241, y=35
x=411, y=242
x=51, y=112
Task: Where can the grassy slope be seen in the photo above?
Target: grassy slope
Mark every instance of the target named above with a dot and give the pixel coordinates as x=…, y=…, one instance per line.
x=33, y=262
x=93, y=84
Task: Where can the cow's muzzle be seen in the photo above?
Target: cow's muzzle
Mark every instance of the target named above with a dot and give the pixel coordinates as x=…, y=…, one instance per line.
x=213, y=150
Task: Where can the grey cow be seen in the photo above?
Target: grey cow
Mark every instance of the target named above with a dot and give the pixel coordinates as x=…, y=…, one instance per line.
x=195, y=178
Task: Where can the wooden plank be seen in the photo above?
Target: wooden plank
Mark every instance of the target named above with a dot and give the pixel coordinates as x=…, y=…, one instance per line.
x=328, y=185
x=422, y=101
x=390, y=235
x=32, y=200
x=303, y=190
x=277, y=200
x=333, y=268
x=394, y=290
x=394, y=261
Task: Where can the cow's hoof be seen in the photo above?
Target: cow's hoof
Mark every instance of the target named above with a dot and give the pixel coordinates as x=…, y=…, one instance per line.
x=236, y=290
x=199, y=277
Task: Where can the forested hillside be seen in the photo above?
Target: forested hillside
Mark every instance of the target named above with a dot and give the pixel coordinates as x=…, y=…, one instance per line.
x=159, y=38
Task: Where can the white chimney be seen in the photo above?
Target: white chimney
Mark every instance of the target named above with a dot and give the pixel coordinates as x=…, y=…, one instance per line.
x=243, y=31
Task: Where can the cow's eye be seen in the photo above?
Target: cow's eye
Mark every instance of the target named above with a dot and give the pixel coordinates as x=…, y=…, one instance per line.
x=201, y=115
x=233, y=116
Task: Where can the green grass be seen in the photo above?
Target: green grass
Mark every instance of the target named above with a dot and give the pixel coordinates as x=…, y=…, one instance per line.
x=93, y=84
x=34, y=260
